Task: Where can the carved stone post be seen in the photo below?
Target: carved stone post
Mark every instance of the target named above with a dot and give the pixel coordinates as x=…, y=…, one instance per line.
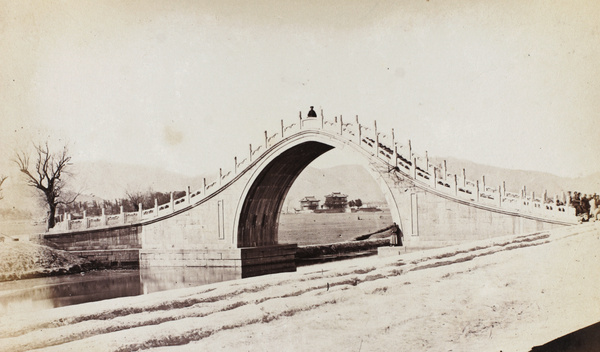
x=266, y=140
x=414, y=167
x=445, y=171
x=359, y=134
x=455, y=185
x=376, y=139
x=172, y=203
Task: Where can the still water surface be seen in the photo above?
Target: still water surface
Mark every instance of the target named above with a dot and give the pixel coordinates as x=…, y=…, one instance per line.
x=51, y=292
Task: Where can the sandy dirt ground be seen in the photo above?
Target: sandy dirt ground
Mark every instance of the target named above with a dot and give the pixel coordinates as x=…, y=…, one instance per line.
x=505, y=294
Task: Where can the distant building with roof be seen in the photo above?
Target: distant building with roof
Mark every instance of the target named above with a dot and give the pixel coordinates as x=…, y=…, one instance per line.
x=336, y=200
x=309, y=203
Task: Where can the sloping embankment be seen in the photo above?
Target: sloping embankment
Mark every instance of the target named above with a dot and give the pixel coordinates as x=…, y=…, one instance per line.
x=24, y=260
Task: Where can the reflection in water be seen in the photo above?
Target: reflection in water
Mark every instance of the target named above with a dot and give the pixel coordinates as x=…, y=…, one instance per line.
x=168, y=278
x=42, y=293
x=51, y=292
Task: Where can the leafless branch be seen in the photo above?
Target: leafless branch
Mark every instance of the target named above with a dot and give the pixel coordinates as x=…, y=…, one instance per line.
x=46, y=175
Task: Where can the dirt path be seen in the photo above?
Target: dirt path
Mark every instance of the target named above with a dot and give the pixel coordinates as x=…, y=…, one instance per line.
x=507, y=294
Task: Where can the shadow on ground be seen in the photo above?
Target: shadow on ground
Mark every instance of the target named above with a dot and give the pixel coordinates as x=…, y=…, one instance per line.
x=582, y=340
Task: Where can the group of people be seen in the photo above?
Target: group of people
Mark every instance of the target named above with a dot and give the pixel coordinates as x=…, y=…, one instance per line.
x=586, y=206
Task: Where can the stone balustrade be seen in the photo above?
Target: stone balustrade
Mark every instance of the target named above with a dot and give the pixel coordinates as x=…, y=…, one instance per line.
x=382, y=144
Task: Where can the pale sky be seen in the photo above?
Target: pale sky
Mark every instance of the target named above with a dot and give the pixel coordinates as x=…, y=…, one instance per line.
x=188, y=85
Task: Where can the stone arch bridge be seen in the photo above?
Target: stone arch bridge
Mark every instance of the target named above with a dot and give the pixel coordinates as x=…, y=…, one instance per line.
x=233, y=220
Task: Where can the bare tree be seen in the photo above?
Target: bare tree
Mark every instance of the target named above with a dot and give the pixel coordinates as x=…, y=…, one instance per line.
x=46, y=176
x=2, y=179
x=135, y=199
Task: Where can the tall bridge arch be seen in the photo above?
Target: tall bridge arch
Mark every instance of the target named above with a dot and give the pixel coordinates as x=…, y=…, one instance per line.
x=232, y=220
x=257, y=218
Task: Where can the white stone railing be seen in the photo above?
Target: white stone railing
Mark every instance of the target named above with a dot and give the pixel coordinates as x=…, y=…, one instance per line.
x=381, y=144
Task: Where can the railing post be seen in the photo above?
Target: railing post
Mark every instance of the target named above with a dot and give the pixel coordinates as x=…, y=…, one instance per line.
x=204, y=185
x=455, y=185
x=235, y=165
x=103, y=221
x=483, y=182
x=172, y=203
x=395, y=150
x=426, y=161
x=445, y=171
x=341, y=126
x=477, y=190
x=414, y=167
x=282, y=128
x=409, y=151
x=250, y=157
x=187, y=195
x=220, y=175
x=464, y=177
x=434, y=177
x=500, y=196
x=266, y=140
x=85, y=221
x=140, y=211
x=359, y=134
x=545, y=196
x=155, y=207
x=122, y=214
x=376, y=139
x=322, y=119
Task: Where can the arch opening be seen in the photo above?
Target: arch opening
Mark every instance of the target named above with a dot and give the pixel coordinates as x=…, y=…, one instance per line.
x=259, y=220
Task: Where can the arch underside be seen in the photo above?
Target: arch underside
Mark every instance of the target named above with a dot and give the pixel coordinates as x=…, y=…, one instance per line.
x=259, y=219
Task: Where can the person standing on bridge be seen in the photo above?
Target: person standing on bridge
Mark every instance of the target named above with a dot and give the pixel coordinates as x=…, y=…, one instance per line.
x=312, y=113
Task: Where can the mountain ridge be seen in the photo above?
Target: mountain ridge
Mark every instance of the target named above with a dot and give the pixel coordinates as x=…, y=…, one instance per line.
x=109, y=181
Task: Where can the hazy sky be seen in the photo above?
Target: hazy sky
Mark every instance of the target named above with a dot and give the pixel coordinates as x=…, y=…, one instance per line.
x=188, y=85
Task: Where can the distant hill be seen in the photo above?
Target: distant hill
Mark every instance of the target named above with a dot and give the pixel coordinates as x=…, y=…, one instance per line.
x=109, y=181
x=516, y=179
